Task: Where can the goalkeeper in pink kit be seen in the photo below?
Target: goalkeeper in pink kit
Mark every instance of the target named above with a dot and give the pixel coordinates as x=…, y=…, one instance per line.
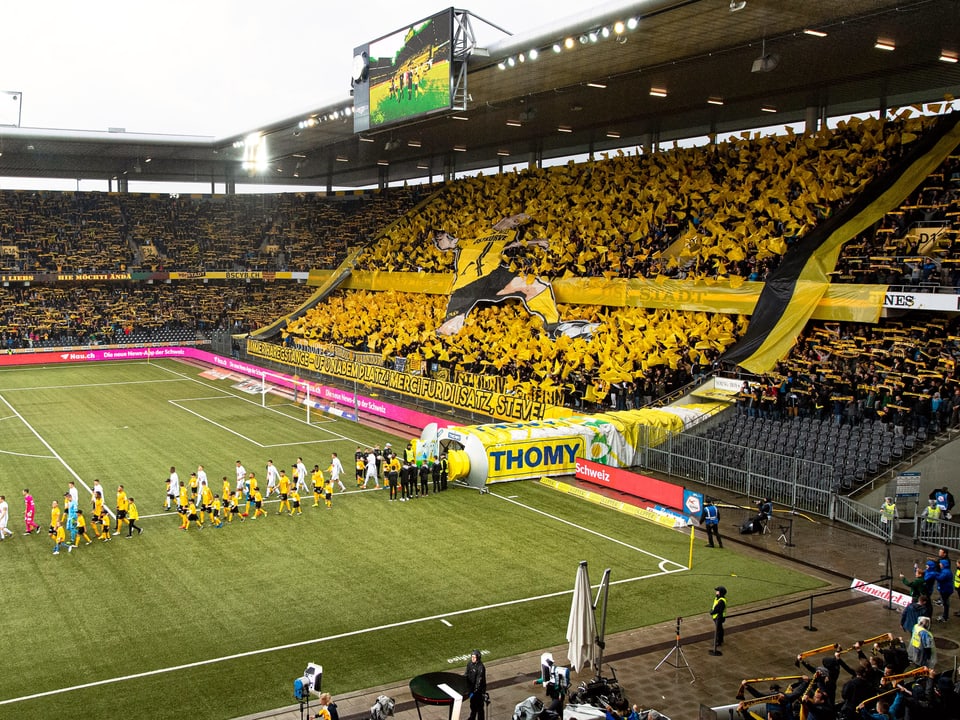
x=28, y=513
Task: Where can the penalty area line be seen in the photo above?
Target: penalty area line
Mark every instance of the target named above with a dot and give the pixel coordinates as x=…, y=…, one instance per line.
x=662, y=560
x=441, y=617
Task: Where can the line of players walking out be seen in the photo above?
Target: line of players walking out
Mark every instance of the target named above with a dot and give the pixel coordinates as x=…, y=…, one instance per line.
x=196, y=502
x=407, y=478
x=69, y=525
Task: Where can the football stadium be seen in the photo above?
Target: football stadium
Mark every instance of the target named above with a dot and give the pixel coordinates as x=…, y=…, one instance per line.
x=605, y=369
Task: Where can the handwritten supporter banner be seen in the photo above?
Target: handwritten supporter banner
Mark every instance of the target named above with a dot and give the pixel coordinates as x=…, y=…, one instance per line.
x=497, y=405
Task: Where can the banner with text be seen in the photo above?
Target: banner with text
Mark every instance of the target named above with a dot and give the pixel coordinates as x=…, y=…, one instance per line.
x=498, y=405
x=641, y=486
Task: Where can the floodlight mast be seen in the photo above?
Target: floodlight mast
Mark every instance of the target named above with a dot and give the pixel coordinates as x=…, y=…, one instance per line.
x=463, y=45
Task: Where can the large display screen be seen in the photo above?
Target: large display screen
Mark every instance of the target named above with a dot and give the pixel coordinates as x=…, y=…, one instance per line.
x=406, y=74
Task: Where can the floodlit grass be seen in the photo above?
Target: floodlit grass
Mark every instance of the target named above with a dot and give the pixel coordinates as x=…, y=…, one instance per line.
x=374, y=591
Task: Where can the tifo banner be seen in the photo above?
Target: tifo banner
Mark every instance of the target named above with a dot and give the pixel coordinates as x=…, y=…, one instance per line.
x=498, y=405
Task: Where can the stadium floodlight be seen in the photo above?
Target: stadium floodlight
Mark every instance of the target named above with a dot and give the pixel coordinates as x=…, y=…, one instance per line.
x=557, y=48
x=502, y=65
x=255, y=153
x=511, y=62
x=632, y=23
x=568, y=43
x=533, y=54
x=619, y=27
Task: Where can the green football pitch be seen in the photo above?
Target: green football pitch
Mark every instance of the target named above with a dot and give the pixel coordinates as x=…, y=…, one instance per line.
x=217, y=623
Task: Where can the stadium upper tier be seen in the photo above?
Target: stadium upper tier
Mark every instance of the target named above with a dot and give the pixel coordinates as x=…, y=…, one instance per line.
x=729, y=210
x=67, y=232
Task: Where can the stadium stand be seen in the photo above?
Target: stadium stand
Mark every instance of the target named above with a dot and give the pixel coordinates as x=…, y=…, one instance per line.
x=725, y=212
x=81, y=232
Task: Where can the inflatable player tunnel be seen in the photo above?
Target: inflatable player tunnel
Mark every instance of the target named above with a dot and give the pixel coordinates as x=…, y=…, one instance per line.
x=479, y=455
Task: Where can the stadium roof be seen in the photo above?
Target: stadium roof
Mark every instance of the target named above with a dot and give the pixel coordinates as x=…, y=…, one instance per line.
x=724, y=65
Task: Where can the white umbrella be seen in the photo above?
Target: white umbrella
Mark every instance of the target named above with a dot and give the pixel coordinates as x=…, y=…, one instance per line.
x=582, y=626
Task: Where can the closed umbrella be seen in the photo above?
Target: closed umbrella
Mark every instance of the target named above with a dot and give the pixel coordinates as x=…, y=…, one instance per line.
x=582, y=626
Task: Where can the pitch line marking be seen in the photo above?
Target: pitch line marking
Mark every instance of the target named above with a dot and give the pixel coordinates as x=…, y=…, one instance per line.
x=215, y=424
x=28, y=455
x=662, y=560
x=302, y=643
x=88, y=385
x=176, y=403
x=47, y=445
x=248, y=400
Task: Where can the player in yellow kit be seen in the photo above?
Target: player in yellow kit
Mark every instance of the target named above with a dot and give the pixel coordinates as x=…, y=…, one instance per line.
x=361, y=467
x=216, y=512
x=225, y=491
x=206, y=503
x=283, y=485
x=59, y=537
x=251, y=487
x=122, y=507
x=103, y=533
x=233, y=507
x=54, y=518
x=192, y=516
x=194, y=487
x=316, y=477
x=328, y=492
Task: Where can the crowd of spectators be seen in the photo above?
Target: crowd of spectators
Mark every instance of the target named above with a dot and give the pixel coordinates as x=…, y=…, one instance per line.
x=89, y=232
x=44, y=315
x=726, y=211
x=633, y=355
x=914, y=244
x=899, y=372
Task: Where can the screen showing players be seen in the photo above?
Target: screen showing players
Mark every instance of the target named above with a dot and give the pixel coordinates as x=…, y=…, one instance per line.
x=407, y=73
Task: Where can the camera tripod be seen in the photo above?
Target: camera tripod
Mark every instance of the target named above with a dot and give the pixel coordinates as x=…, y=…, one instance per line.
x=304, y=701
x=681, y=659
